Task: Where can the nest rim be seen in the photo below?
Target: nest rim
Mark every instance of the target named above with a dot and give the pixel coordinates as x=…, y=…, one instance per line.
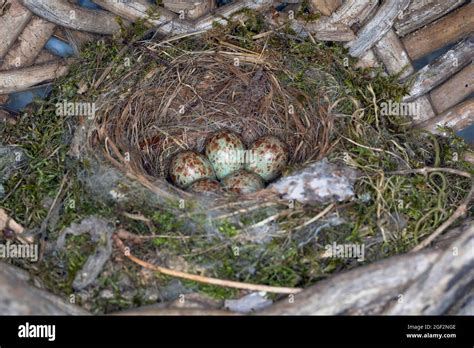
x=292, y=101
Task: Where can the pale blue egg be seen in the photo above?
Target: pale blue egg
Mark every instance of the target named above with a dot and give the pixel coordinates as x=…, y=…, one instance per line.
x=267, y=157
x=205, y=185
x=226, y=152
x=243, y=182
x=189, y=166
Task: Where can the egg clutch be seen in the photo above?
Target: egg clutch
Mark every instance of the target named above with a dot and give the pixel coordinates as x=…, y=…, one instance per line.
x=227, y=165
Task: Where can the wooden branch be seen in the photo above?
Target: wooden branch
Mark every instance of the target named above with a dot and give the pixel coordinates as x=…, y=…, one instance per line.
x=12, y=23
x=169, y=23
x=457, y=118
x=368, y=60
x=6, y=222
x=426, y=110
x=465, y=307
x=326, y=7
x=206, y=22
x=377, y=27
x=469, y=157
x=29, y=44
x=353, y=11
x=45, y=57
x=19, y=297
x=445, y=31
x=22, y=79
x=323, y=31
x=420, y=13
x=133, y=10
x=5, y=116
x=441, y=69
x=360, y=291
x=63, y=13
x=191, y=10
x=336, y=27
x=438, y=290
x=455, y=90
x=391, y=52
x=60, y=33
x=3, y=99
x=386, y=286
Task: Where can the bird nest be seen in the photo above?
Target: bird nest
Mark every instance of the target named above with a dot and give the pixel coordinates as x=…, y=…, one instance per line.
x=174, y=94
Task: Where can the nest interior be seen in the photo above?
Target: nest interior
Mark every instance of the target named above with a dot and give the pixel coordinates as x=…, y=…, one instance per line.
x=203, y=84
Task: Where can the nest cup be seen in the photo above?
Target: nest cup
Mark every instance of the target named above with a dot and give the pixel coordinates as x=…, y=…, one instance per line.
x=180, y=102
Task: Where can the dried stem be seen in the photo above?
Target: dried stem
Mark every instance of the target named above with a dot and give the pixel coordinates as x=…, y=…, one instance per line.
x=317, y=217
x=201, y=279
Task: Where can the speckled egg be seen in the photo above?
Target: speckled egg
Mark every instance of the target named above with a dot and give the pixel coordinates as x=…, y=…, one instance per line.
x=225, y=151
x=188, y=166
x=267, y=157
x=205, y=185
x=243, y=182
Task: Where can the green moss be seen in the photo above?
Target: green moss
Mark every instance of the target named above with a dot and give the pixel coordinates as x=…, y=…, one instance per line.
x=228, y=229
x=166, y=222
x=158, y=242
x=305, y=12
x=238, y=32
x=78, y=248
x=215, y=292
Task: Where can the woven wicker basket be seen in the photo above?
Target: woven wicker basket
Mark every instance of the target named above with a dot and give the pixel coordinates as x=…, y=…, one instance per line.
x=391, y=33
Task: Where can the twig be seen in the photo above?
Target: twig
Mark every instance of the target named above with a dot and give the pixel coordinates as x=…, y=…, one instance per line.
x=124, y=234
x=44, y=224
x=7, y=222
x=205, y=251
x=201, y=279
x=245, y=210
x=235, y=212
x=317, y=217
x=267, y=33
x=264, y=221
x=373, y=148
x=137, y=217
x=427, y=170
x=179, y=37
